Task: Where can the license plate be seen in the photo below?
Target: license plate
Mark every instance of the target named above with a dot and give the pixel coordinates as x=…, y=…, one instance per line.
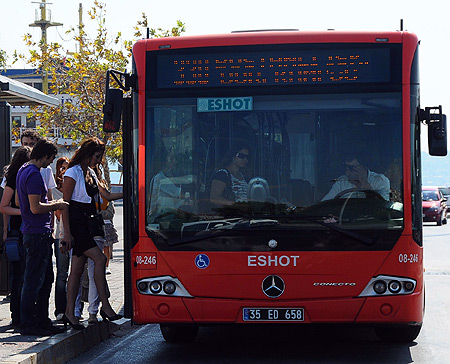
x=273, y=314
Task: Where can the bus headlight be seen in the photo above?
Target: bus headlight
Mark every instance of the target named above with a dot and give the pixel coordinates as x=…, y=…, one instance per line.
x=155, y=287
x=394, y=286
x=169, y=287
x=388, y=285
x=379, y=287
x=162, y=286
x=142, y=286
x=408, y=286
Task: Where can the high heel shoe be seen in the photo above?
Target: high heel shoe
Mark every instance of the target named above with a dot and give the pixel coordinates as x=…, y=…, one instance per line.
x=66, y=321
x=110, y=318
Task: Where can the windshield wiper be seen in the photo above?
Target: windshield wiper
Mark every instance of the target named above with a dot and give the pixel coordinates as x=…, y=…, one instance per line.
x=247, y=224
x=363, y=239
x=223, y=229
x=228, y=228
x=194, y=239
x=332, y=226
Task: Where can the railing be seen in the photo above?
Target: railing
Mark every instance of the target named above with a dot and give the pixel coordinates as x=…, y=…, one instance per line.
x=53, y=134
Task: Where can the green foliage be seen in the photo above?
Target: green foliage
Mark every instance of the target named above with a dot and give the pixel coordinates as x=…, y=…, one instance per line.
x=3, y=58
x=81, y=77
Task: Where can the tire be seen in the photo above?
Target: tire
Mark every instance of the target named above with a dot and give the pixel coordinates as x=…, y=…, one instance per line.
x=179, y=333
x=398, y=334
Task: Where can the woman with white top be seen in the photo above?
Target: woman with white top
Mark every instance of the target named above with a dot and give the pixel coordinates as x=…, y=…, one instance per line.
x=62, y=260
x=80, y=189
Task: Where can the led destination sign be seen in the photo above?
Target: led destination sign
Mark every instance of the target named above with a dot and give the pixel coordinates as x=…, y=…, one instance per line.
x=273, y=68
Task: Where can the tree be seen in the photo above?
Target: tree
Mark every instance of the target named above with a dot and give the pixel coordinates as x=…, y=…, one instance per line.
x=82, y=77
x=3, y=58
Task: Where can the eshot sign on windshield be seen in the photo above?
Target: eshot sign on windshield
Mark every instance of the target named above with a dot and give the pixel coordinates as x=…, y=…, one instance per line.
x=224, y=104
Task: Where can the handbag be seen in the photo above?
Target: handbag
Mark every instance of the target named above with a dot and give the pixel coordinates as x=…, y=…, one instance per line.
x=95, y=221
x=13, y=248
x=95, y=225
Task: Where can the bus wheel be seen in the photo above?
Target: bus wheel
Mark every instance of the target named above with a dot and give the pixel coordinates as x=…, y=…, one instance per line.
x=398, y=334
x=179, y=333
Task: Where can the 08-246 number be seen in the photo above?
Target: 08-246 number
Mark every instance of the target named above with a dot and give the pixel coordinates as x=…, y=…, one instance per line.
x=146, y=259
x=408, y=258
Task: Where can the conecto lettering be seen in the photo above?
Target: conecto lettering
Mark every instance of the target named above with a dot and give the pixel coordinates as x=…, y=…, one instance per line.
x=334, y=284
x=272, y=261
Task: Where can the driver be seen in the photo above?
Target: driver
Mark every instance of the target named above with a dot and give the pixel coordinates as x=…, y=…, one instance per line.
x=359, y=177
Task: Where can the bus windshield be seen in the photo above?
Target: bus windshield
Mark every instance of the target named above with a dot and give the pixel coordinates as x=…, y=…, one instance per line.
x=323, y=171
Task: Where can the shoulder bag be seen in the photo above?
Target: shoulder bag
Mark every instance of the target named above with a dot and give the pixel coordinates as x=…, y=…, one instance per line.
x=95, y=221
x=13, y=248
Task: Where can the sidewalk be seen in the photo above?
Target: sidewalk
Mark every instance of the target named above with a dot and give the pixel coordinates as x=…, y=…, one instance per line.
x=15, y=348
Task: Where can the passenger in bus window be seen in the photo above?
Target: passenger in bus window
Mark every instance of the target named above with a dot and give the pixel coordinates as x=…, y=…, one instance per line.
x=165, y=187
x=358, y=178
x=228, y=183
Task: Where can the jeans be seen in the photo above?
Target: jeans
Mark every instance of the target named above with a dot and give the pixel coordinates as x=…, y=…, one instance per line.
x=17, y=270
x=38, y=279
x=62, y=269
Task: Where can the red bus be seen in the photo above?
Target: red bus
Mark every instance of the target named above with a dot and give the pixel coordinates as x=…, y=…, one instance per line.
x=274, y=177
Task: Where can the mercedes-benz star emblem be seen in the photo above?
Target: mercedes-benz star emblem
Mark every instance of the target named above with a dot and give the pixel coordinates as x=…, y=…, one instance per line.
x=273, y=286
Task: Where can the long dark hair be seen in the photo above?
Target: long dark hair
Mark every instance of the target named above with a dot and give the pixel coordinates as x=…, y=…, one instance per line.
x=99, y=173
x=20, y=157
x=231, y=153
x=59, y=175
x=87, y=149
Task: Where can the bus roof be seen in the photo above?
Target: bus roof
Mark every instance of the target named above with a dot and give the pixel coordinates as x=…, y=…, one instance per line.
x=276, y=37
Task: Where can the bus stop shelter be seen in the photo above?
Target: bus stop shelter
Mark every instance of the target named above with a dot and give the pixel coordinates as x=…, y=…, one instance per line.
x=14, y=93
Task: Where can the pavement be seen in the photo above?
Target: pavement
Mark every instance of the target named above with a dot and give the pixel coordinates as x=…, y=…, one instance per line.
x=60, y=348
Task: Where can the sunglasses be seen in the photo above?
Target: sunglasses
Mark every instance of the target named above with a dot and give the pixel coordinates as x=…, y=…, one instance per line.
x=243, y=156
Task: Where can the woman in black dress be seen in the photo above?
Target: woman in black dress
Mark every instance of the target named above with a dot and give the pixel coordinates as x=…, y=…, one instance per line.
x=81, y=189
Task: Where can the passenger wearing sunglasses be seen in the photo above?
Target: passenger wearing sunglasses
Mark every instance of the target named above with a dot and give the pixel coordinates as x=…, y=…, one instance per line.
x=359, y=177
x=228, y=183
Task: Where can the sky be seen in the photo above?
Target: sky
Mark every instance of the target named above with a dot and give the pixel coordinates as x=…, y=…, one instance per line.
x=428, y=19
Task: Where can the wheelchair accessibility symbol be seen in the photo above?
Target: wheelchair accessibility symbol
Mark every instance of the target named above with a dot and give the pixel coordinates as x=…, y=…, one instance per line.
x=202, y=261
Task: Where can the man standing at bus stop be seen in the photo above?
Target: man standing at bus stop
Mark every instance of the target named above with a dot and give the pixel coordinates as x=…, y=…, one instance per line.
x=37, y=239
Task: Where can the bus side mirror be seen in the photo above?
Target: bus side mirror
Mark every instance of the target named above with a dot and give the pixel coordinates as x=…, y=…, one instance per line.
x=437, y=129
x=112, y=110
x=437, y=137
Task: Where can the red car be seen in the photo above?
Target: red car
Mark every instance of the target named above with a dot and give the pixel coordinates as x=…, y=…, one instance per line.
x=434, y=206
